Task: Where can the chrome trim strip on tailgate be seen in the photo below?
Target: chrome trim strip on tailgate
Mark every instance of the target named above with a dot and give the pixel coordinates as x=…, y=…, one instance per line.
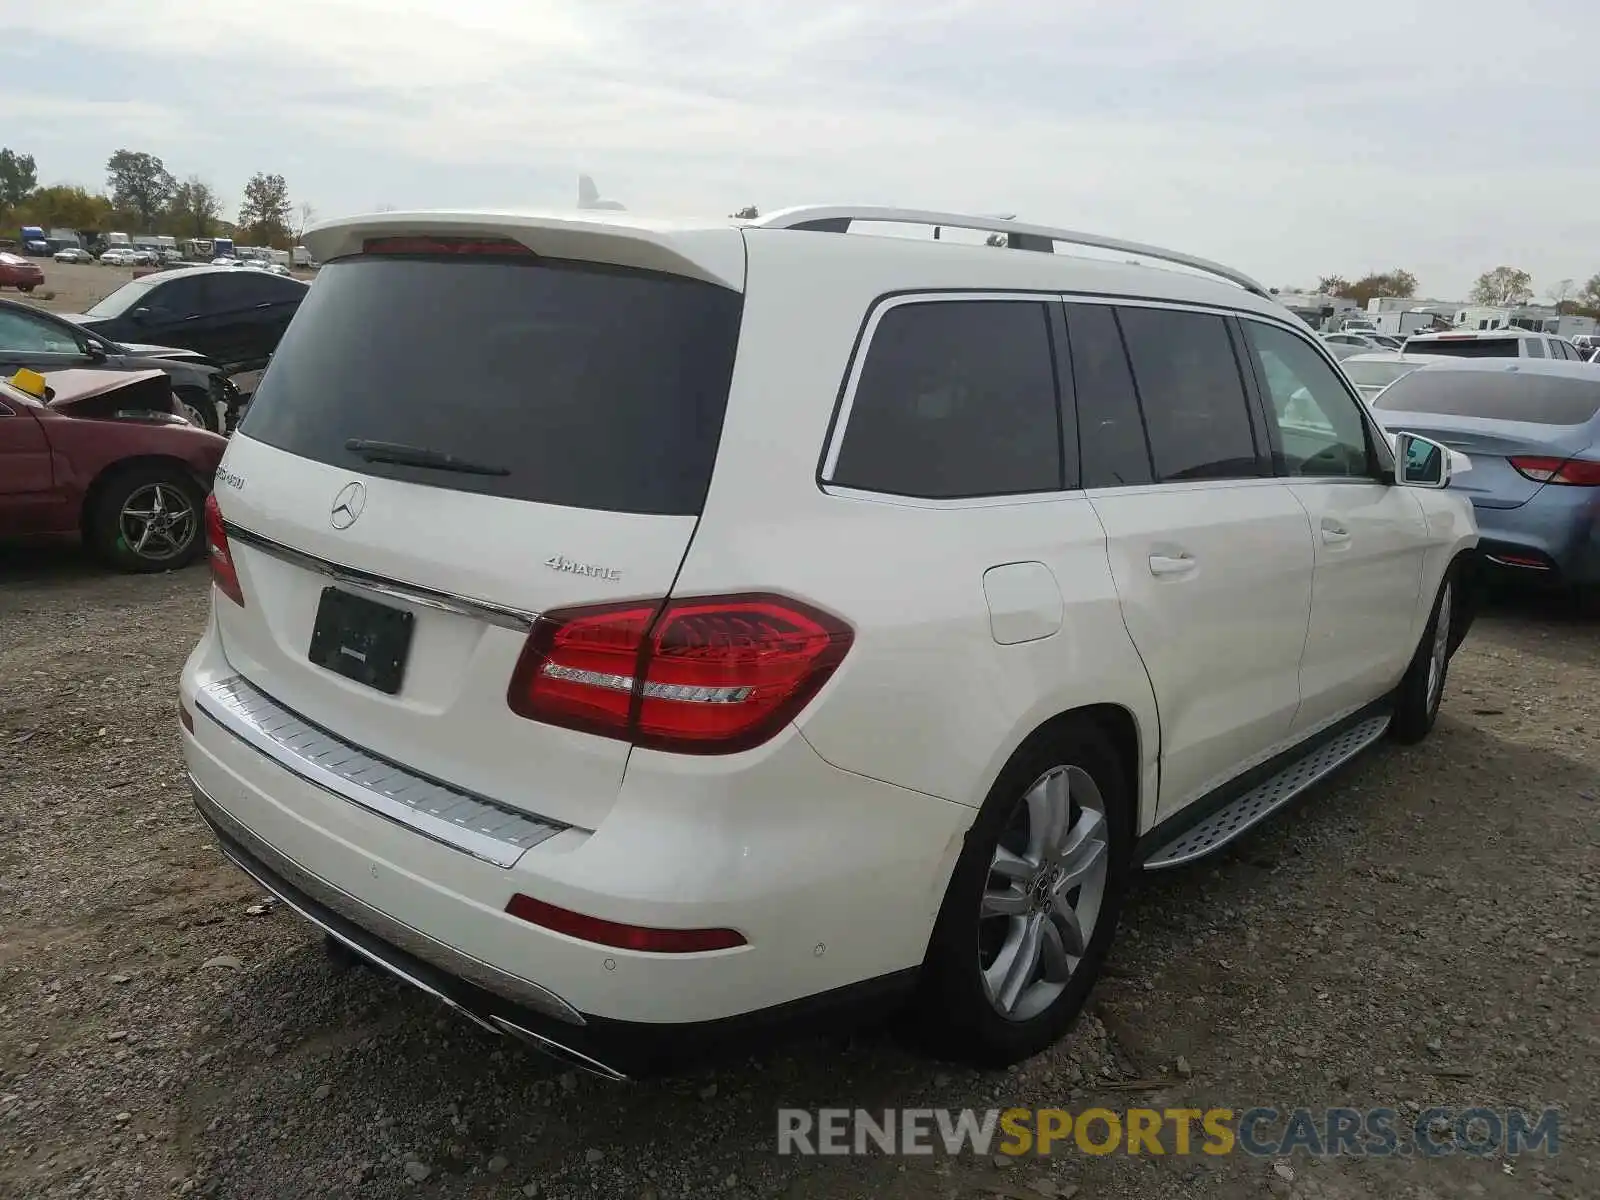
x=275, y=866
x=461, y=820
x=465, y=606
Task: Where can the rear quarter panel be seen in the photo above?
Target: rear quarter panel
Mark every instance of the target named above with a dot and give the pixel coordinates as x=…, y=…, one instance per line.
x=925, y=699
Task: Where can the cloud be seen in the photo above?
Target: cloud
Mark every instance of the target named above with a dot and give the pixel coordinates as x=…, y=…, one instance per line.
x=1290, y=141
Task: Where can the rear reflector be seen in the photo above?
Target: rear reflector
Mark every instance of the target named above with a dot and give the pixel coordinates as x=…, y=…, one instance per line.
x=707, y=675
x=1577, y=472
x=223, y=573
x=492, y=247
x=1519, y=560
x=623, y=937
x=185, y=718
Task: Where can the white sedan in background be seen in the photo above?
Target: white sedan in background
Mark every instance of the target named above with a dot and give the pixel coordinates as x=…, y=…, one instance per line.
x=1373, y=372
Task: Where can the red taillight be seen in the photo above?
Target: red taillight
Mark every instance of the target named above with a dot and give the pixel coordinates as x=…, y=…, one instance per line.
x=699, y=676
x=1579, y=472
x=624, y=937
x=223, y=573
x=494, y=247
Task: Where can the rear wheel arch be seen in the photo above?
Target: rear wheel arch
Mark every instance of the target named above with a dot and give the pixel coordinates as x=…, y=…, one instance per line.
x=1120, y=728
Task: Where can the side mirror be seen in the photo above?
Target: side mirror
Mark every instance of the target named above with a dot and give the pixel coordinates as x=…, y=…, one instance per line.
x=1421, y=462
x=94, y=351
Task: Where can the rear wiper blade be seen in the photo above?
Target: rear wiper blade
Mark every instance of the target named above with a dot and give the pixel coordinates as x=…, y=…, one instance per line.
x=419, y=456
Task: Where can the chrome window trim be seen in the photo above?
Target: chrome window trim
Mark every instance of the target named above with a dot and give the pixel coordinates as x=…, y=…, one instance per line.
x=1006, y=500
x=516, y=619
x=486, y=829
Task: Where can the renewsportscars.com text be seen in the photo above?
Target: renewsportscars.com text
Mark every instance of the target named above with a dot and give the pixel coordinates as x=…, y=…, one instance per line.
x=1260, y=1132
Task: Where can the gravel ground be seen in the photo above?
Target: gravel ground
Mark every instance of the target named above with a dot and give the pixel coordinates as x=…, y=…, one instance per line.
x=1422, y=931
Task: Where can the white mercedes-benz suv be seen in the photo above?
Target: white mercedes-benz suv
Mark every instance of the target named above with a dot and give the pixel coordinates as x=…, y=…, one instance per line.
x=642, y=635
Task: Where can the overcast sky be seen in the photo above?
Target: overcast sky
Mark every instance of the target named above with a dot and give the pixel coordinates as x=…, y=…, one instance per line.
x=1289, y=140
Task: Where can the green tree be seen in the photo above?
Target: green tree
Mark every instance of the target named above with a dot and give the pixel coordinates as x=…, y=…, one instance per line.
x=1378, y=283
x=194, y=209
x=140, y=184
x=66, y=206
x=18, y=178
x=264, y=215
x=1502, y=287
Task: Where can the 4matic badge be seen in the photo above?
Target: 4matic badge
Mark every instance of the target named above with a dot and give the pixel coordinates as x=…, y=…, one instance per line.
x=560, y=562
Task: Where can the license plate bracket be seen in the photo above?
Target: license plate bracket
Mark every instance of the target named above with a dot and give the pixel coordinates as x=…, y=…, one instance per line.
x=362, y=639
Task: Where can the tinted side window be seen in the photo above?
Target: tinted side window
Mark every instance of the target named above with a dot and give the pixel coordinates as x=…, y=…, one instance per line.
x=250, y=287
x=1192, y=395
x=1535, y=347
x=956, y=398
x=180, y=297
x=1111, y=442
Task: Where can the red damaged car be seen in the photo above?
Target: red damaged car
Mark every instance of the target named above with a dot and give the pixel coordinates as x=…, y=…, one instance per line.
x=18, y=272
x=105, y=455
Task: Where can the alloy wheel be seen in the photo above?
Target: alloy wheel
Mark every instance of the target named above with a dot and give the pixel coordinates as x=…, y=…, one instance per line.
x=158, y=522
x=1046, y=886
x=1439, y=652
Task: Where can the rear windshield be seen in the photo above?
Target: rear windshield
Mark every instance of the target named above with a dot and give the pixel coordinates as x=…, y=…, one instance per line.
x=1495, y=395
x=1506, y=347
x=575, y=384
x=1376, y=374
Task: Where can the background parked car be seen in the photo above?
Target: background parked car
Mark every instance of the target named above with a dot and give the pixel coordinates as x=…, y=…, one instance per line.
x=1532, y=431
x=1493, y=343
x=235, y=318
x=73, y=254
x=1366, y=339
x=19, y=272
x=118, y=256
x=101, y=454
x=42, y=341
x=1371, y=373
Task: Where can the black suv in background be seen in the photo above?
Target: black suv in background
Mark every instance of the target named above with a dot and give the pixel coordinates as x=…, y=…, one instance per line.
x=45, y=342
x=231, y=315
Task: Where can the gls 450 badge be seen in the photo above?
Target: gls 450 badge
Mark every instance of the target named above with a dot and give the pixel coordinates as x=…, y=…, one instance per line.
x=560, y=562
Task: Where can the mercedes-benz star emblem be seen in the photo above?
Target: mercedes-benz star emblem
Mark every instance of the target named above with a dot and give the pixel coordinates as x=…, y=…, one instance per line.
x=347, y=505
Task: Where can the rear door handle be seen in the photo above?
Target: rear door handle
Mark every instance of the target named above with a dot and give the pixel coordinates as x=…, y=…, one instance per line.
x=1171, y=564
x=1333, y=533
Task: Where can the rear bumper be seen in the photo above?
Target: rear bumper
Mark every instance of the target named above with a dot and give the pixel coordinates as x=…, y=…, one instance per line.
x=1554, y=537
x=502, y=1004
x=834, y=880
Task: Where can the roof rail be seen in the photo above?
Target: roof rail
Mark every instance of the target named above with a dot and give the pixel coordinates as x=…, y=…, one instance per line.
x=1021, y=236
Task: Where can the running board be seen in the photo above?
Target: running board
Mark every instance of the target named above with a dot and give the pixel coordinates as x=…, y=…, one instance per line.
x=1260, y=802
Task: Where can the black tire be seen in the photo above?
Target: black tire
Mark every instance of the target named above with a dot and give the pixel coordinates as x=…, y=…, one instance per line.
x=132, y=488
x=198, y=404
x=957, y=1018
x=25, y=287
x=1417, y=699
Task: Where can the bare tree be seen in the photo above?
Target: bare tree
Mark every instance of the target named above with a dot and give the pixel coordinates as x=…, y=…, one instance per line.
x=307, y=216
x=1561, y=292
